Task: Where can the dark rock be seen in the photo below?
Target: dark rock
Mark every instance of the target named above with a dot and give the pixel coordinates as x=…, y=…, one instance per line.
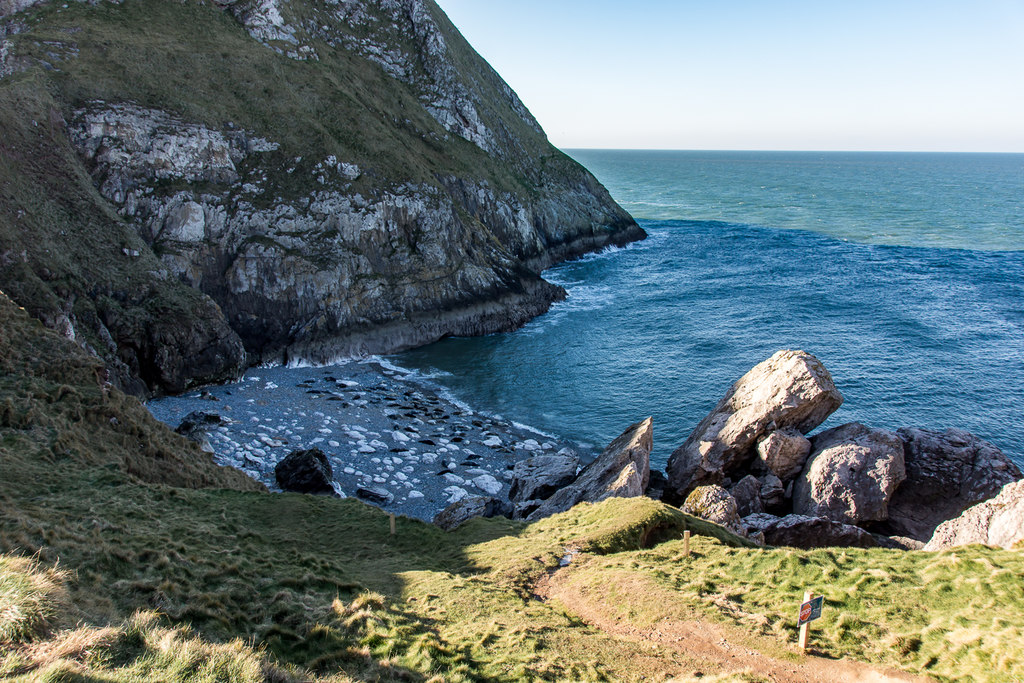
x=790, y=389
x=801, y=531
x=773, y=495
x=851, y=474
x=461, y=511
x=306, y=471
x=374, y=494
x=747, y=493
x=622, y=470
x=196, y=425
x=537, y=478
x=947, y=472
x=656, y=485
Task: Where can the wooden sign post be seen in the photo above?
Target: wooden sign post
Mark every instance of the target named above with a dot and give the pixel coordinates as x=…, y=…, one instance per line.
x=810, y=610
x=392, y=517
x=686, y=543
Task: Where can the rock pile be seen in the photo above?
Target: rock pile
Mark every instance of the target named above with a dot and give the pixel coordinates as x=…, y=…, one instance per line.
x=749, y=467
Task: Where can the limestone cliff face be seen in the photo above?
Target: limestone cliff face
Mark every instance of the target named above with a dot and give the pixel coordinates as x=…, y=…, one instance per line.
x=339, y=177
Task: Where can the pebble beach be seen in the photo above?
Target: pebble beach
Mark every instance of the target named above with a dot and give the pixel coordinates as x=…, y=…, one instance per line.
x=392, y=438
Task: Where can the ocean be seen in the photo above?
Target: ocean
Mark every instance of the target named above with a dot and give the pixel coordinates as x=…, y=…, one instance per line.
x=902, y=272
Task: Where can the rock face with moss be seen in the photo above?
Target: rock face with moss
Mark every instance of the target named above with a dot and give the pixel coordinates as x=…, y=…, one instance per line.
x=307, y=179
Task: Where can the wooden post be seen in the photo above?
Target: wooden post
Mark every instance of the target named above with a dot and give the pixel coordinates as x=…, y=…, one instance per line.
x=805, y=628
x=686, y=543
x=392, y=516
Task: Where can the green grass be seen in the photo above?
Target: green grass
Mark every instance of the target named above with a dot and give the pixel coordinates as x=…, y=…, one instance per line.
x=128, y=555
x=956, y=615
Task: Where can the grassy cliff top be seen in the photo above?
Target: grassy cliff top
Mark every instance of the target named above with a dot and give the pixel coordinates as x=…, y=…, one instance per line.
x=127, y=555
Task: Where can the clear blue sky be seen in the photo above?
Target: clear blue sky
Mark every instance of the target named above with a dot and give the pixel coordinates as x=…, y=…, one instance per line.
x=824, y=75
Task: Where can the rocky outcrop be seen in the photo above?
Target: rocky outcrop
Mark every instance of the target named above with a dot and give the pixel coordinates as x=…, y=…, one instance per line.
x=539, y=477
x=790, y=390
x=852, y=473
x=714, y=504
x=996, y=522
x=622, y=470
x=947, y=472
x=8, y=7
x=305, y=471
x=415, y=198
x=802, y=531
x=465, y=509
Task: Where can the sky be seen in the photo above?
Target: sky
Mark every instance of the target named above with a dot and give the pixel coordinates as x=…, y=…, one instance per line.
x=899, y=75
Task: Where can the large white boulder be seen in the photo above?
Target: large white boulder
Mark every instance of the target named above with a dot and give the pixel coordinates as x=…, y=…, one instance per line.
x=792, y=389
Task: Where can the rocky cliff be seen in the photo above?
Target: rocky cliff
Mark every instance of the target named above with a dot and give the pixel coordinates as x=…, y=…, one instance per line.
x=191, y=186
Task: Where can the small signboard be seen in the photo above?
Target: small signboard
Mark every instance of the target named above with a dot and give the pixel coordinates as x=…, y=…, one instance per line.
x=811, y=610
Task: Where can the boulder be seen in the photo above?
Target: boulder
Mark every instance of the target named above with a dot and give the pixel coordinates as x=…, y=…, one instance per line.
x=461, y=511
x=759, y=521
x=897, y=542
x=802, y=531
x=539, y=477
x=773, y=494
x=196, y=425
x=714, y=504
x=306, y=471
x=783, y=452
x=947, y=472
x=851, y=474
x=996, y=522
x=622, y=470
x=792, y=389
x=747, y=493
x=374, y=494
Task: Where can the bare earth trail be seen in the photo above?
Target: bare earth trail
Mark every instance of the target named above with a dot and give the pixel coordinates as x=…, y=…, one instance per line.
x=718, y=649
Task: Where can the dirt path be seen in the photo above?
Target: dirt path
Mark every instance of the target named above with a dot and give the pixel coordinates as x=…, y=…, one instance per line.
x=721, y=649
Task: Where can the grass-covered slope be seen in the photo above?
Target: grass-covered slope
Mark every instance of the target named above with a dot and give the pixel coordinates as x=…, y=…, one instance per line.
x=127, y=555
x=429, y=224
x=75, y=264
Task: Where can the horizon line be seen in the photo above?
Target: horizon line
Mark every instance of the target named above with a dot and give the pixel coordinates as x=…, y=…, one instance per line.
x=787, y=151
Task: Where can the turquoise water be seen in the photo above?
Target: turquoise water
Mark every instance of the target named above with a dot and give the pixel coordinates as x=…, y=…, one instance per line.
x=903, y=273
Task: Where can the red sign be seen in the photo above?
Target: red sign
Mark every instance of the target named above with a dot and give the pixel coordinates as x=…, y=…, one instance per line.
x=805, y=612
x=811, y=610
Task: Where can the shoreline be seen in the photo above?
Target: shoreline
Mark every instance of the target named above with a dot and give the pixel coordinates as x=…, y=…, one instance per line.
x=394, y=440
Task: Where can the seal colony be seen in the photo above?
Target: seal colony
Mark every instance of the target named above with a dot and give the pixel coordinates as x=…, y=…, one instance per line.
x=391, y=439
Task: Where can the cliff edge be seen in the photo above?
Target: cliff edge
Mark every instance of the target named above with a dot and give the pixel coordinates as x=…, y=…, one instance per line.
x=188, y=187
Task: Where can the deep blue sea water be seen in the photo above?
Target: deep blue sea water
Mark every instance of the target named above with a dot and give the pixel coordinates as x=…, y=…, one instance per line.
x=903, y=273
